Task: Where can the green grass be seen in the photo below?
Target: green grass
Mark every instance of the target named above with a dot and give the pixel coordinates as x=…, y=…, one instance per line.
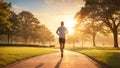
x=12, y=54
x=108, y=56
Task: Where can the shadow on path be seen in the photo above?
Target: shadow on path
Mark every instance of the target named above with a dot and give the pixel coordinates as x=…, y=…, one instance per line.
x=59, y=62
x=41, y=64
x=70, y=60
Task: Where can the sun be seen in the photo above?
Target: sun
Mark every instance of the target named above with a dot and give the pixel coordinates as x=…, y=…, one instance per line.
x=69, y=24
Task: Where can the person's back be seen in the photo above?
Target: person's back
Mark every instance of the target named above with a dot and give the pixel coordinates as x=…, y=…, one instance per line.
x=62, y=31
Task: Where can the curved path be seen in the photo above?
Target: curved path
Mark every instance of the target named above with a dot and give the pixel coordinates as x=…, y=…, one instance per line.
x=70, y=60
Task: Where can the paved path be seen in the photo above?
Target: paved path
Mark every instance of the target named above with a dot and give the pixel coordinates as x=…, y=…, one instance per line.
x=70, y=60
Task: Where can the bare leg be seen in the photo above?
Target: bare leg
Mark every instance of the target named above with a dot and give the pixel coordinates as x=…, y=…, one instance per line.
x=63, y=45
x=61, y=49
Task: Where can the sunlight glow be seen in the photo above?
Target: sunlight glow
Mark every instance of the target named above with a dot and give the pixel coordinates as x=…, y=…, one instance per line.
x=69, y=23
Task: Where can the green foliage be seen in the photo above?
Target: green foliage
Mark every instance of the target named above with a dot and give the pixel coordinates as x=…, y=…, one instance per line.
x=26, y=26
x=4, y=16
x=12, y=54
x=45, y=35
x=15, y=28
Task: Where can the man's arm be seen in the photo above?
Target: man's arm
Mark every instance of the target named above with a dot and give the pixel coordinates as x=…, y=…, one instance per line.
x=66, y=31
x=57, y=32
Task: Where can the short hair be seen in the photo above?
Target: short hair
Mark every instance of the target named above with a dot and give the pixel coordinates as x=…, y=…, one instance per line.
x=62, y=23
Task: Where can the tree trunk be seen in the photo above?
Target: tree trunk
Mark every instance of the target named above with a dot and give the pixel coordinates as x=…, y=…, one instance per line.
x=8, y=38
x=34, y=40
x=94, y=40
x=11, y=39
x=73, y=44
x=25, y=40
x=115, y=35
x=93, y=34
x=39, y=42
x=82, y=43
x=49, y=43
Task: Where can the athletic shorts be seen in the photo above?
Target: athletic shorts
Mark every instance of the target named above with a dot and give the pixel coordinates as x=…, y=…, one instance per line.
x=62, y=40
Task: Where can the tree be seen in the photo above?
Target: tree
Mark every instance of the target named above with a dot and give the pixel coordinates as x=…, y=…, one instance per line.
x=50, y=38
x=73, y=38
x=35, y=30
x=15, y=28
x=82, y=32
x=93, y=28
x=35, y=34
x=4, y=15
x=27, y=24
x=89, y=25
x=45, y=35
x=108, y=11
x=5, y=25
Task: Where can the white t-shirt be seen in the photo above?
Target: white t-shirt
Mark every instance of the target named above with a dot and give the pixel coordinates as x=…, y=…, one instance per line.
x=62, y=31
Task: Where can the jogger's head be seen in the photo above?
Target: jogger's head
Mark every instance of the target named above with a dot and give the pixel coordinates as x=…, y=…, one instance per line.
x=62, y=23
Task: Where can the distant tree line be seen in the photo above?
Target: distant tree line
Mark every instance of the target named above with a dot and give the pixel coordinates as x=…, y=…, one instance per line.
x=22, y=27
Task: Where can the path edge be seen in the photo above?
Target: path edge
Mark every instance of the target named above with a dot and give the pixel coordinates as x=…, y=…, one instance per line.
x=20, y=60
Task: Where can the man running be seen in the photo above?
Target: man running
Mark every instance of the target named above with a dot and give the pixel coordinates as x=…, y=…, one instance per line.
x=62, y=31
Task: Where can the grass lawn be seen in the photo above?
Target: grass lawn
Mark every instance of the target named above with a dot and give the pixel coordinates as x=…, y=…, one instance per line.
x=108, y=56
x=11, y=54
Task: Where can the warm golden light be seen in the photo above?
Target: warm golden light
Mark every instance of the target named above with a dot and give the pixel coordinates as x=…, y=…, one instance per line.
x=69, y=23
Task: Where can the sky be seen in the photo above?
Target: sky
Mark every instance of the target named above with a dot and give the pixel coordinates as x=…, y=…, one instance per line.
x=50, y=12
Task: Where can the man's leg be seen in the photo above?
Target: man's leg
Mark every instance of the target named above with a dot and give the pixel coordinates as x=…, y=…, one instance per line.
x=60, y=42
x=61, y=47
x=63, y=44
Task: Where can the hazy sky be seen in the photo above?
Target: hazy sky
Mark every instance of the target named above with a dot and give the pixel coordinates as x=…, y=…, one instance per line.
x=49, y=12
